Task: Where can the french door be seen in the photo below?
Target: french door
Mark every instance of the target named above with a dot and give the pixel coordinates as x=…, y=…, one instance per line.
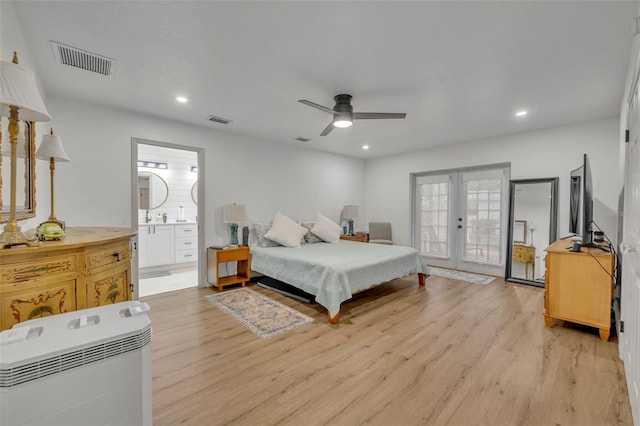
x=460, y=218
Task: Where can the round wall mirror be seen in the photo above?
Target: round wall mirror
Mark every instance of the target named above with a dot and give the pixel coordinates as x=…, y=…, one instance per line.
x=152, y=191
x=194, y=192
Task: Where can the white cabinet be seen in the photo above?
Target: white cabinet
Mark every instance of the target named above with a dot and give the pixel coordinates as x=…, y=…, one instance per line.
x=155, y=245
x=186, y=243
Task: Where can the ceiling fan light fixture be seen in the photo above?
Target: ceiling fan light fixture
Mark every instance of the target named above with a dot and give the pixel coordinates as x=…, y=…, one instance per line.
x=342, y=123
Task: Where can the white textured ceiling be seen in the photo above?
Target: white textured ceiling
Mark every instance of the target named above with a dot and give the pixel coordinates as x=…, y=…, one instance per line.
x=458, y=69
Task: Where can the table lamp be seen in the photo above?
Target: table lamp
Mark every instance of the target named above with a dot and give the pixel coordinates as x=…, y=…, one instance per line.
x=350, y=213
x=51, y=149
x=233, y=214
x=20, y=101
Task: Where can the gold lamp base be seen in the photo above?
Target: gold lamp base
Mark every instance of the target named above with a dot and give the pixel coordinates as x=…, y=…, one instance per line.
x=14, y=237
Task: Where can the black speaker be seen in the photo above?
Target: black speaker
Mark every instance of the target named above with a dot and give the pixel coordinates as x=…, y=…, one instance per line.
x=245, y=236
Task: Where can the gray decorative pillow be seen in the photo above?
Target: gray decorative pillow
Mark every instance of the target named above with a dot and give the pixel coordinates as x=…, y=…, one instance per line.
x=309, y=237
x=260, y=229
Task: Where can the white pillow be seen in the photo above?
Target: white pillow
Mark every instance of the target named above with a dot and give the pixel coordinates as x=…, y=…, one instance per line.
x=285, y=231
x=326, y=229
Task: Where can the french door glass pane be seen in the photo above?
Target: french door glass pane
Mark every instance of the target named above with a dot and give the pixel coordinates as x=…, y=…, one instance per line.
x=483, y=199
x=434, y=219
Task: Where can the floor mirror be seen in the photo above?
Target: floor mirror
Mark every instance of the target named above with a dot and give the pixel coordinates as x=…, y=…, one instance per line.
x=533, y=220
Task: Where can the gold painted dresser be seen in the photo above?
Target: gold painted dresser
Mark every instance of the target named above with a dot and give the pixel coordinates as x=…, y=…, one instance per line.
x=90, y=267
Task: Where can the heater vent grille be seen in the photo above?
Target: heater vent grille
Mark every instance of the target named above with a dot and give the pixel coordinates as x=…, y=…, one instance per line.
x=82, y=59
x=35, y=370
x=215, y=119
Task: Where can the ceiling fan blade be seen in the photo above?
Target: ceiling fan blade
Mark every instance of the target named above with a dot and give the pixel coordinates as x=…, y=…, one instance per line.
x=327, y=129
x=316, y=106
x=376, y=115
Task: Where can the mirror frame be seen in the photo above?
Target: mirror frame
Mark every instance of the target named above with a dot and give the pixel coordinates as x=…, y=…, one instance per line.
x=166, y=197
x=553, y=224
x=194, y=192
x=29, y=176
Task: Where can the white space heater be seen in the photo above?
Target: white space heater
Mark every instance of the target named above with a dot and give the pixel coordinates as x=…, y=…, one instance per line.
x=82, y=368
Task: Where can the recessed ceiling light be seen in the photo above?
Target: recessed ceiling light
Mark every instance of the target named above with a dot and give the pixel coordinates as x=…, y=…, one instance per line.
x=365, y=147
x=521, y=113
x=181, y=99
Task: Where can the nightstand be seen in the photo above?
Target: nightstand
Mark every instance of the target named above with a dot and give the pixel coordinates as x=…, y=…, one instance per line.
x=215, y=257
x=361, y=237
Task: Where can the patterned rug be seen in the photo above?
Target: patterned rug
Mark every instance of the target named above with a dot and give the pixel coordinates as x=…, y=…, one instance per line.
x=260, y=314
x=459, y=275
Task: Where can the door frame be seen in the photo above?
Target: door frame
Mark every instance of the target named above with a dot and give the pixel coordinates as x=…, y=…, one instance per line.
x=415, y=218
x=135, y=141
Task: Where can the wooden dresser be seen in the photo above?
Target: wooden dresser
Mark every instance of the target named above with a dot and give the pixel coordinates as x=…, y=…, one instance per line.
x=89, y=267
x=579, y=286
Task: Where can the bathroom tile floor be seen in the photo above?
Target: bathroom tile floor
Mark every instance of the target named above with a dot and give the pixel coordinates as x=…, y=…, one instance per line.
x=177, y=280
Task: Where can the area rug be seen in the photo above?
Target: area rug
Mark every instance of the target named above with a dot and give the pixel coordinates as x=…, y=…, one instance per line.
x=260, y=314
x=459, y=275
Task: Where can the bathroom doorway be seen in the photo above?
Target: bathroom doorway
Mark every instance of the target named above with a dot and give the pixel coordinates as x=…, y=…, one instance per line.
x=167, y=200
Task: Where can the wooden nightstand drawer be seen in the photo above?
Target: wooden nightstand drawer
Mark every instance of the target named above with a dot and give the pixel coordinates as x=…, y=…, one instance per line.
x=233, y=254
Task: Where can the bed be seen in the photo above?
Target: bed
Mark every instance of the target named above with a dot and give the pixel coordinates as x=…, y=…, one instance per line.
x=333, y=272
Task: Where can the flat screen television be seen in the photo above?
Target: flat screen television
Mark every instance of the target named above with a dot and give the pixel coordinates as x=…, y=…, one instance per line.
x=581, y=203
x=575, y=201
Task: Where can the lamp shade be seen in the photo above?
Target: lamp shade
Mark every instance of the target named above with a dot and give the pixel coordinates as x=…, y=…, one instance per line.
x=51, y=147
x=350, y=212
x=233, y=213
x=18, y=88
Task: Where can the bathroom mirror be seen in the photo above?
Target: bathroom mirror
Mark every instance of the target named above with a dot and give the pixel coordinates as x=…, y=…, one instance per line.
x=533, y=217
x=194, y=192
x=152, y=191
x=25, y=171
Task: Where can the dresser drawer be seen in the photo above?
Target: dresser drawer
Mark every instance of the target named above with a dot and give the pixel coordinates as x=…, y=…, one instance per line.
x=46, y=269
x=186, y=231
x=185, y=244
x=190, y=255
x=108, y=255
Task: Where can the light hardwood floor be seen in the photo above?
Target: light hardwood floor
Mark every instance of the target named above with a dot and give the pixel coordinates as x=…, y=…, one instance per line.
x=452, y=353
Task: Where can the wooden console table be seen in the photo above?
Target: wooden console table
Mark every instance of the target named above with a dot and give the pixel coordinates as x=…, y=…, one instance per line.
x=526, y=255
x=579, y=286
x=89, y=267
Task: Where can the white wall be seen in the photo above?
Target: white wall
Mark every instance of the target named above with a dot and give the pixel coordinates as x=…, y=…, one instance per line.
x=94, y=188
x=544, y=153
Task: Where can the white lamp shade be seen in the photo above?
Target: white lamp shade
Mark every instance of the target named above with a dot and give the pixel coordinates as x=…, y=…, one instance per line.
x=51, y=147
x=233, y=213
x=18, y=88
x=350, y=212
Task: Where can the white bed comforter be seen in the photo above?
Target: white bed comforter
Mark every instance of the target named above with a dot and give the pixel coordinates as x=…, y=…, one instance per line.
x=334, y=271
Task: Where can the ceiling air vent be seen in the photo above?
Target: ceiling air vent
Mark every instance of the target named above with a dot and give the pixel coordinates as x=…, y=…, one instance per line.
x=82, y=59
x=301, y=139
x=215, y=119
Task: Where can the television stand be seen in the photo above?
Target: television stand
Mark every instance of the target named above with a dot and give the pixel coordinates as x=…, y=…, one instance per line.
x=579, y=286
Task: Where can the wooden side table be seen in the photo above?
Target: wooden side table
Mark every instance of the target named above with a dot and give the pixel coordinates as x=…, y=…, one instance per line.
x=361, y=237
x=526, y=255
x=215, y=257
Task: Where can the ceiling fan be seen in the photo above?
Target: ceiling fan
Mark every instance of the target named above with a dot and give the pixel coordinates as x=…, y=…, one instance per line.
x=343, y=114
